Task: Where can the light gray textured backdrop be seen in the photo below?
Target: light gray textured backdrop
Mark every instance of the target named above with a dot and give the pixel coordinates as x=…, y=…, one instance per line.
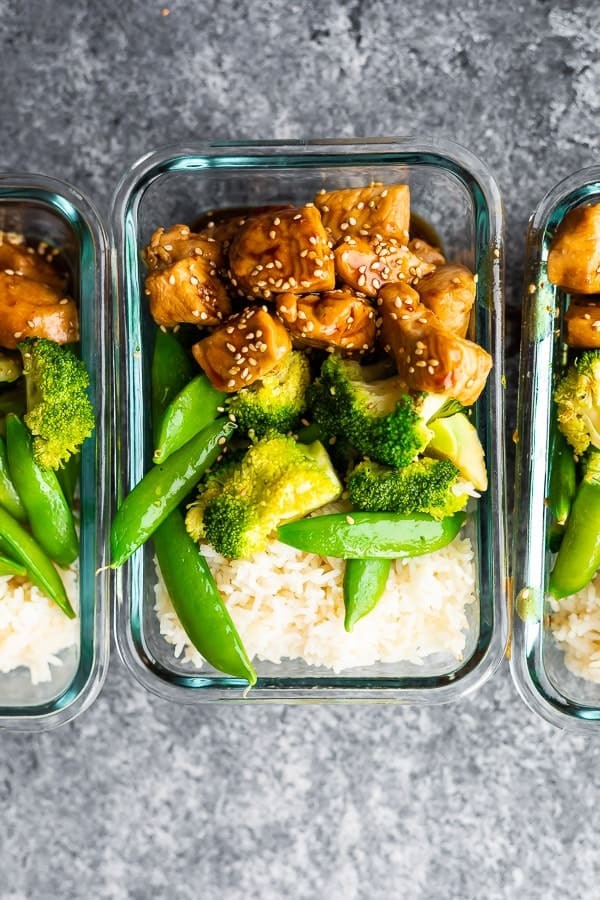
x=139, y=799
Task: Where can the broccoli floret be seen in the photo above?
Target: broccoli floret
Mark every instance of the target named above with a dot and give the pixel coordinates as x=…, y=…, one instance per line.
x=426, y=485
x=277, y=480
x=577, y=398
x=210, y=487
x=59, y=413
x=375, y=414
x=277, y=401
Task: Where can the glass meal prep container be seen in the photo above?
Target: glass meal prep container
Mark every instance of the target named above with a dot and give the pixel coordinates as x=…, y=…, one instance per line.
x=537, y=663
x=452, y=191
x=44, y=209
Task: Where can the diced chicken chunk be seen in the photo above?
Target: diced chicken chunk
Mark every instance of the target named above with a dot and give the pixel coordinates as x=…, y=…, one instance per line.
x=31, y=309
x=287, y=251
x=425, y=251
x=332, y=319
x=187, y=291
x=19, y=259
x=429, y=356
x=449, y=292
x=582, y=324
x=574, y=258
x=244, y=349
x=366, y=263
x=179, y=242
x=380, y=209
x=222, y=225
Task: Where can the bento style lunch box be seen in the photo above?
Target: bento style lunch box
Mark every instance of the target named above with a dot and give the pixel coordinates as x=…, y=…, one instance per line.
x=52, y=665
x=555, y=657
x=297, y=462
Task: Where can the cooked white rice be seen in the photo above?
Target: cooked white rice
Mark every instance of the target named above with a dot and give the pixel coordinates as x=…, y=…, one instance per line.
x=575, y=624
x=289, y=604
x=33, y=630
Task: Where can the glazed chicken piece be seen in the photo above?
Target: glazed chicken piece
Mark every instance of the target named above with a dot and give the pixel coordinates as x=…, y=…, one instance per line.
x=449, y=292
x=17, y=258
x=425, y=251
x=222, y=225
x=574, y=258
x=380, y=209
x=179, y=242
x=281, y=252
x=366, y=263
x=244, y=349
x=331, y=319
x=582, y=324
x=31, y=309
x=429, y=356
x=187, y=291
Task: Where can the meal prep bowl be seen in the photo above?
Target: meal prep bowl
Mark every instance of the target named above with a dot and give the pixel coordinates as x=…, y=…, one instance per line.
x=537, y=664
x=44, y=209
x=455, y=193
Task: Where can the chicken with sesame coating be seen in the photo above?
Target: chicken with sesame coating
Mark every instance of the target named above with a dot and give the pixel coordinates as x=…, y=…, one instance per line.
x=283, y=252
x=378, y=210
x=333, y=319
x=366, y=263
x=426, y=252
x=189, y=290
x=449, y=292
x=168, y=246
x=243, y=350
x=428, y=355
x=574, y=257
x=33, y=309
x=18, y=258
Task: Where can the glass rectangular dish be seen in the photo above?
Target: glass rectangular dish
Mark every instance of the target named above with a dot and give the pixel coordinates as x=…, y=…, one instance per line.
x=537, y=664
x=454, y=192
x=44, y=209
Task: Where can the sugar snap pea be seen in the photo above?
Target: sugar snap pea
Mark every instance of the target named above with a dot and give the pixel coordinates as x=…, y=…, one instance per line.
x=562, y=487
x=163, y=488
x=364, y=583
x=172, y=368
x=9, y=498
x=187, y=414
x=197, y=601
x=22, y=547
x=48, y=512
x=10, y=567
x=361, y=535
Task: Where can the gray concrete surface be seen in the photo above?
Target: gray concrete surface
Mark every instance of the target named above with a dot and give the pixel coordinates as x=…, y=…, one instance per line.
x=139, y=799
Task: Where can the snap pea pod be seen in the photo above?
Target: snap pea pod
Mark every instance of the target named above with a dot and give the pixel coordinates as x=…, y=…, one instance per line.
x=364, y=583
x=187, y=414
x=197, y=601
x=10, y=567
x=578, y=558
x=162, y=490
x=562, y=487
x=172, y=368
x=48, y=512
x=9, y=497
x=362, y=535
x=68, y=476
x=40, y=570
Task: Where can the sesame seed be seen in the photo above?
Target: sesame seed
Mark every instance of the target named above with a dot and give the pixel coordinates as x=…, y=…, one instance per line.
x=171, y=279
x=276, y=221
x=272, y=235
x=298, y=217
x=313, y=239
x=193, y=280
x=203, y=316
x=231, y=383
x=230, y=347
x=303, y=253
x=350, y=520
x=411, y=370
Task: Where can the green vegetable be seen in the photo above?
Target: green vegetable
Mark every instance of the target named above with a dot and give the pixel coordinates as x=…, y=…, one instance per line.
x=10, y=367
x=68, y=476
x=50, y=518
x=277, y=480
x=577, y=398
x=455, y=438
x=59, y=413
x=197, y=601
x=431, y=486
x=9, y=497
x=364, y=584
x=163, y=489
x=579, y=555
x=374, y=414
x=172, y=368
x=40, y=570
x=189, y=412
x=276, y=402
x=10, y=567
x=562, y=487
x=360, y=535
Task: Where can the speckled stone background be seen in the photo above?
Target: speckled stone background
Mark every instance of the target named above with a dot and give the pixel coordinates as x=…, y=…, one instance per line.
x=139, y=799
